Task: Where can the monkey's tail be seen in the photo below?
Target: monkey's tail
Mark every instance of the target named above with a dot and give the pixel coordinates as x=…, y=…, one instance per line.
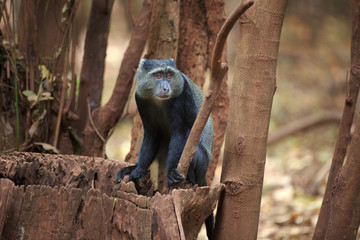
x=209, y=224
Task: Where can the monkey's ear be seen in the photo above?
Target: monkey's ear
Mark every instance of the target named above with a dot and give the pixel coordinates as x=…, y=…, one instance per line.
x=145, y=64
x=172, y=62
x=142, y=61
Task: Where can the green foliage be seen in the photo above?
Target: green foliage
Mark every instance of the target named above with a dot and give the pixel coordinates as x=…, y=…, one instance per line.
x=38, y=102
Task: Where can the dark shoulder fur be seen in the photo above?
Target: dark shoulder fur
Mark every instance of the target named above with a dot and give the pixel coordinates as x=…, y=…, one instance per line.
x=184, y=109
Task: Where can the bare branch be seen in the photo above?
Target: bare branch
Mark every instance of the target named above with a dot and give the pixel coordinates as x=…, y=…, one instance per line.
x=218, y=71
x=302, y=124
x=131, y=12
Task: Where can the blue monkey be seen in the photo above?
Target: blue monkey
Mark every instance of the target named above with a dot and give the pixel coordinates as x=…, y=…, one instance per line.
x=168, y=103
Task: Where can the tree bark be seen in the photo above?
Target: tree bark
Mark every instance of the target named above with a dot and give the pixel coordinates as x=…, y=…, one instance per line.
x=344, y=218
x=73, y=197
x=248, y=122
x=345, y=126
x=105, y=118
x=93, y=66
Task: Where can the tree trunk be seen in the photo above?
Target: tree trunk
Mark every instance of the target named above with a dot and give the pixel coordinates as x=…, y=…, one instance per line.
x=248, y=122
x=93, y=65
x=344, y=216
x=345, y=126
x=104, y=118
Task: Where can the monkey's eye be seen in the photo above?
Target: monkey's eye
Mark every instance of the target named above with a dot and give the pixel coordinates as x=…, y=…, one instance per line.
x=168, y=75
x=158, y=75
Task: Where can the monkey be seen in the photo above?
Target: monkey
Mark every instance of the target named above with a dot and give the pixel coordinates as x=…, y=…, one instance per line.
x=168, y=103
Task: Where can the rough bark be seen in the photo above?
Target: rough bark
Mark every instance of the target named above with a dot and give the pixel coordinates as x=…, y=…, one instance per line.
x=345, y=125
x=105, y=118
x=248, y=122
x=71, y=197
x=163, y=38
x=93, y=64
x=193, y=41
x=344, y=218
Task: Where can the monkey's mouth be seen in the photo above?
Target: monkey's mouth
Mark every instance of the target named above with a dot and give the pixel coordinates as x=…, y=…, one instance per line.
x=163, y=96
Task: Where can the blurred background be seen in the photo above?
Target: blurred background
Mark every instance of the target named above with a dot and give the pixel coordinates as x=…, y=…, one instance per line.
x=314, y=58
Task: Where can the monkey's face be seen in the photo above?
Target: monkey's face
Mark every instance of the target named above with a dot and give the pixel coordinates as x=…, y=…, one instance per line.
x=162, y=89
x=158, y=79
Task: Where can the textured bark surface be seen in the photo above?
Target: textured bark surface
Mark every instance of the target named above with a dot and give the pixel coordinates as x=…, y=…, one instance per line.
x=248, y=122
x=344, y=217
x=345, y=125
x=46, y=196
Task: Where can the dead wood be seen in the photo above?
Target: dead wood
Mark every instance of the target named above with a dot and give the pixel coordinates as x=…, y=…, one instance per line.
x=47, y=196
x=218, y=70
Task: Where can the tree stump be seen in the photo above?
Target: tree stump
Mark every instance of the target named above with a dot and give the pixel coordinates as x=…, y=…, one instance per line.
x=45, y=196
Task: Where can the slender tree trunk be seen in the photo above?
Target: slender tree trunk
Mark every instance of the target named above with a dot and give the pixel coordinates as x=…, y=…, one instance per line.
x=345, y=126
x=93, y=67
x=248, y=122
x=344, y=216
x=104, y=118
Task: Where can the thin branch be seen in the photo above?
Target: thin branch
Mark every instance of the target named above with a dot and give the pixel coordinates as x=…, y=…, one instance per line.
x=64, y=75
x=218, y=71
x=93, y=124
x=302, y=124
x=62, y=98
x=73, y=75
x=131, y=12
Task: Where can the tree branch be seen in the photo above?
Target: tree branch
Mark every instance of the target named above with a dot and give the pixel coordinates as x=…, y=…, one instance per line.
x=218, y=71
x=302, y=124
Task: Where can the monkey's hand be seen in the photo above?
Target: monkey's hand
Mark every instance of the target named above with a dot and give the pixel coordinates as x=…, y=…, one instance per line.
x=124, y=171
x=174, y=176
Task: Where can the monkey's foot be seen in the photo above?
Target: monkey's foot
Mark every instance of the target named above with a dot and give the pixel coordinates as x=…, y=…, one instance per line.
x=174, y=176
x=124, y=171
